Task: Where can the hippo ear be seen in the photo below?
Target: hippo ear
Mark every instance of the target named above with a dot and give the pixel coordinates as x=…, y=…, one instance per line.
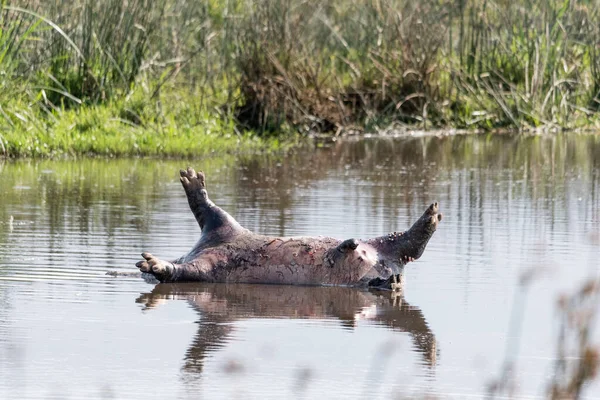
x=348, y=245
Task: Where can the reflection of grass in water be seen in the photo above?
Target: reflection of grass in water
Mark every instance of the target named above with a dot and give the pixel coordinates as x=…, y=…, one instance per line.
x=135, y=181
x=127, y=189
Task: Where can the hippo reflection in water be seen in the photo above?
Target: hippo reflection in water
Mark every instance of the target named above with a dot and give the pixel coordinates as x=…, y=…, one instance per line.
x=221, y=305
x=227, y=252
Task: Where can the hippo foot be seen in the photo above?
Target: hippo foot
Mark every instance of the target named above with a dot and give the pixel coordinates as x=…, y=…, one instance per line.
x=418, y=235
x=191, y=180
x=432, y=216
x=162, y=270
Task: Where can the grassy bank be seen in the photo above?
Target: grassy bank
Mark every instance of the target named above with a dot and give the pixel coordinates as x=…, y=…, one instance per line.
x=113, y=129
x=181, y=76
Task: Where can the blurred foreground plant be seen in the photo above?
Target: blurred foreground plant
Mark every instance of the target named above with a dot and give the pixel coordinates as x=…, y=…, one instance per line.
x=578, y=359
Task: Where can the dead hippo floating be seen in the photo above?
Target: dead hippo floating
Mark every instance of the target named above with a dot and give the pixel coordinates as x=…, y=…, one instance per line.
x=227, y=252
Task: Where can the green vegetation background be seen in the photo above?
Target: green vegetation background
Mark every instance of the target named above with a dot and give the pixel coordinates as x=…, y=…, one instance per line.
x=186, y=77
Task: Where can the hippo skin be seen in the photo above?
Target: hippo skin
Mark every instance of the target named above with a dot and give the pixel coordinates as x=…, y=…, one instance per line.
x=227, y=252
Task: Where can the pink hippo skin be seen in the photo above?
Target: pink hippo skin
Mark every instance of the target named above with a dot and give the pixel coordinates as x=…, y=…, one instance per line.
x=227, y=252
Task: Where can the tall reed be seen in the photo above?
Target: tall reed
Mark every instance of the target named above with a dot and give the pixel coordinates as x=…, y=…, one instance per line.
x=308, y=65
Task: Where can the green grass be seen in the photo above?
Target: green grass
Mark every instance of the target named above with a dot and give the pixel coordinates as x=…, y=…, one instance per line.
x=184, y=77
x=113, y=129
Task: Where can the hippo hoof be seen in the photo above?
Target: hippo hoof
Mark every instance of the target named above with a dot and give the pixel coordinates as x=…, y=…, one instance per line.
x=155, y=266
x=433, y=211
x=192, y=180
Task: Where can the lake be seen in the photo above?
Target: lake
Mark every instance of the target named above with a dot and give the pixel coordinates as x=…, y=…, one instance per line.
x=515, y=207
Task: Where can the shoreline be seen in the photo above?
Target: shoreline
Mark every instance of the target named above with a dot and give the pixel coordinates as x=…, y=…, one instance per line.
x=252, y=143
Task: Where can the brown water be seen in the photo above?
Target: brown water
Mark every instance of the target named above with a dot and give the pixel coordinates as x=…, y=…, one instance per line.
x=510, y=204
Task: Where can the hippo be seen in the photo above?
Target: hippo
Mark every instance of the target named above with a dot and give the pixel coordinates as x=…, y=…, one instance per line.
x=228, y=252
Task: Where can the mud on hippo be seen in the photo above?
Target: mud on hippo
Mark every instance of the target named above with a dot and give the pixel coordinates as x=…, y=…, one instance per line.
x=227, y=252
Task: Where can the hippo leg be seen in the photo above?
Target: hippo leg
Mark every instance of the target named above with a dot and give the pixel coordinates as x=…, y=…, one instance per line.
x=397, y=249
x=161, y=269
x=217, y=227
x=166, y=271
x=412, y=243
x=216, y=224
x=212, y=219
x=194, y=184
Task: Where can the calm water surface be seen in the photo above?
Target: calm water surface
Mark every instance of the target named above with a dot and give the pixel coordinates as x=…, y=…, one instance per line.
x=511, y=205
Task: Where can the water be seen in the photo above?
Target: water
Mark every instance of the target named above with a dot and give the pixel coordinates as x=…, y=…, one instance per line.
x=511, y=205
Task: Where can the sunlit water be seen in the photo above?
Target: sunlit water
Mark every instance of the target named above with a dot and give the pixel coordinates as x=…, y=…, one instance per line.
x=511, y=205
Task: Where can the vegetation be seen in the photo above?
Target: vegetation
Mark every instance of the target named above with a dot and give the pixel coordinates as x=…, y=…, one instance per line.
x=188, y=77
